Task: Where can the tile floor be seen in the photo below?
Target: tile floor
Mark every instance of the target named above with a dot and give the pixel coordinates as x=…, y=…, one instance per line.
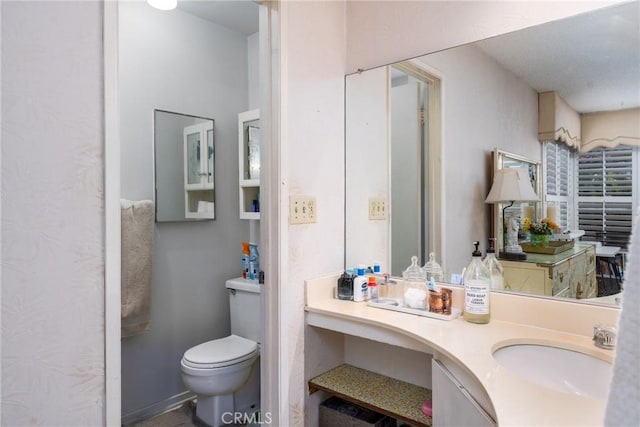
x=183, y=416
x=180, y=417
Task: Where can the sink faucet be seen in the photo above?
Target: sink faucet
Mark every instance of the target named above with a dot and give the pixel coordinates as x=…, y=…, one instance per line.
x=604, y=336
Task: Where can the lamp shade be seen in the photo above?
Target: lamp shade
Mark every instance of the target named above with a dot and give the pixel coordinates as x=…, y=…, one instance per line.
x=511, y=185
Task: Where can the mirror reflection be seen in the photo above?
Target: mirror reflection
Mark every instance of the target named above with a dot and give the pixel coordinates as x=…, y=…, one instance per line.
x=490, y=99
x=184, y=167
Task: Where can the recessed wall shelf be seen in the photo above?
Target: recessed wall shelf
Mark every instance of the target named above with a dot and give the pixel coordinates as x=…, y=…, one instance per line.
x=386, y=395
x=249, y=163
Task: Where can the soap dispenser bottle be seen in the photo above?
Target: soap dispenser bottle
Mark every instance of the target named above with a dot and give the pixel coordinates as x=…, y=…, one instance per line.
x=477, y=290
x=495, y=268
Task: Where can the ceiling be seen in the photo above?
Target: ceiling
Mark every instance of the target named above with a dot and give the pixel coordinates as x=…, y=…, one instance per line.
x=237, y=15
x=591, y=60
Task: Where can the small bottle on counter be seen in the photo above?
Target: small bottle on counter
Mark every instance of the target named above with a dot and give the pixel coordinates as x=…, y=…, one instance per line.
x=372, y=288
x=345, y=286
x=477, y=290
x=495, y=268
x=360, y=289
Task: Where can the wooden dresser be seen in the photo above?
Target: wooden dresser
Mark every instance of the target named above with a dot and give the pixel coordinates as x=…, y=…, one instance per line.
x=569, y=274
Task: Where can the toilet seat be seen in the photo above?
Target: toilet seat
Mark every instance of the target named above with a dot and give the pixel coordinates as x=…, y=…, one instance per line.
x=220, y=353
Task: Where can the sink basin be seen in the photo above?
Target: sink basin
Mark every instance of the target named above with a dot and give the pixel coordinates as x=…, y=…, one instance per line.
x=559, y=369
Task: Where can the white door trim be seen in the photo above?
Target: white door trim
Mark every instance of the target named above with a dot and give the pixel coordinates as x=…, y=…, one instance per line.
x=270, y=189
x=112, y=405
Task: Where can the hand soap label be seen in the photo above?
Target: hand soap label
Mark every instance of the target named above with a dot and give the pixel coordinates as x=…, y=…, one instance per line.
x=476, y=297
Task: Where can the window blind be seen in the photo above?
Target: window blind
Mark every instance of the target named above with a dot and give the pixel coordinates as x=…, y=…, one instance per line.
x=559, y=181
x=605, y=194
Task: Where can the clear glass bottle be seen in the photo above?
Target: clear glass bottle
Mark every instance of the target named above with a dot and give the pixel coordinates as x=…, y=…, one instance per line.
x=495, y=268
x=414, y=277
x=477, y=290
x=433, y=269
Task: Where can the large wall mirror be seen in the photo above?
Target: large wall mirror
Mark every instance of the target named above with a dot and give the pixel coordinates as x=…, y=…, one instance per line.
x=184, y=167
x=486, y=100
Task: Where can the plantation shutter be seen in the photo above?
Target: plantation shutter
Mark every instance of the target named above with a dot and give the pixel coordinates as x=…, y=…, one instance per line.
x=559, y=180
x=605, y=190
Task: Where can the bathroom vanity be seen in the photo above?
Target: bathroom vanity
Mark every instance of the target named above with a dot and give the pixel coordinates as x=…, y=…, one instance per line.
x=466, y=381
x=568, y=274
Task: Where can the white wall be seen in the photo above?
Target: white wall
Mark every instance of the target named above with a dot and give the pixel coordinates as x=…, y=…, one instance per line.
x=313, y=55
x=484, y=107
x=253, y=75
x=180, y=63
x=52, y=214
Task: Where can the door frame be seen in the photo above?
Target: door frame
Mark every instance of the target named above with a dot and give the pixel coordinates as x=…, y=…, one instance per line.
x=269, y=40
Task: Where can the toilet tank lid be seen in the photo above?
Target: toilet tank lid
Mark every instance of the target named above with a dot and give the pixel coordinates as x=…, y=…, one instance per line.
x=241, y=284
x=220, y=350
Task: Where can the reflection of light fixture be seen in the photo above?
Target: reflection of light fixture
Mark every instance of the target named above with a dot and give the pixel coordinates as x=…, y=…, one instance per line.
x=163, y=4
x=512, y=185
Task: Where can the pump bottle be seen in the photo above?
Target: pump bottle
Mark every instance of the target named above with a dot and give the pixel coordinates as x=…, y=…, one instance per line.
x=477, y=289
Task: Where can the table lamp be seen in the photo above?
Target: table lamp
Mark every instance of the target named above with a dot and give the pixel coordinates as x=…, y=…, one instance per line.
x=512, y=185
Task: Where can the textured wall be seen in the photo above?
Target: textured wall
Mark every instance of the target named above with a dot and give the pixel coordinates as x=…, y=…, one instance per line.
x=52, y=214
x=313, y=159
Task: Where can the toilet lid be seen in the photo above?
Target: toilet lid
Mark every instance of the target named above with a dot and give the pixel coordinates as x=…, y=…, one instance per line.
x=221, y=352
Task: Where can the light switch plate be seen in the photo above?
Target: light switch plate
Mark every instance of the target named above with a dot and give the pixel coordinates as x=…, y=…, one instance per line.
x=377, y=208
x=302, y=209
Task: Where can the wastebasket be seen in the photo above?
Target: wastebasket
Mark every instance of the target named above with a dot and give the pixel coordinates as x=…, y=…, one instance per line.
x=336, y=412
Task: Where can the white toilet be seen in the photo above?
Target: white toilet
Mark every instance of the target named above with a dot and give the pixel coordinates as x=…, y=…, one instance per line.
x=225, y=373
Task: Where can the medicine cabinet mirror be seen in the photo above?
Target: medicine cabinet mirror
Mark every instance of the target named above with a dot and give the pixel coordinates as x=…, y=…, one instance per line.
x=489, y=101
x=184, y=167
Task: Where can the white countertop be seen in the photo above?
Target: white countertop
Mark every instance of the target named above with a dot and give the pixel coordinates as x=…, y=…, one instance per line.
x=515, y=401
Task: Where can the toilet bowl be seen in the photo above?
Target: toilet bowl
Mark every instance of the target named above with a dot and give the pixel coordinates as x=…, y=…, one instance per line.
x=224, y=373
x=215, y=370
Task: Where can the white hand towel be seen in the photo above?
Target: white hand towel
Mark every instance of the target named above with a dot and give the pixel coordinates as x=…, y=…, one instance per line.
x=623, y=406
x=136, y=267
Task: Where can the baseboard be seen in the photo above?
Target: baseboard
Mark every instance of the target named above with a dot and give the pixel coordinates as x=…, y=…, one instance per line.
x=157, y=408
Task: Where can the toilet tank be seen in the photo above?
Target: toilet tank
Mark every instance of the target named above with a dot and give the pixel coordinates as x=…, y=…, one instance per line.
x=244, y=307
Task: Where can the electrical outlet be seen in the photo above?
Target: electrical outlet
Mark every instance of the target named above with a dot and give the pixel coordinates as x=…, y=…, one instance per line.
x=302, y=209
x=377, y=208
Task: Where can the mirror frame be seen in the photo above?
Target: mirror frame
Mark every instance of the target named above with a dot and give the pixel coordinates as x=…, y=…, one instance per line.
x=498, y=160
x=199, y=216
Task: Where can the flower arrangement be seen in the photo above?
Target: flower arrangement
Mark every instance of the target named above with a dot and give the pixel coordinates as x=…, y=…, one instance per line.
x=545, y=226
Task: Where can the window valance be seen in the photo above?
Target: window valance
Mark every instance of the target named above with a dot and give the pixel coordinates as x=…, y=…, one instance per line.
x=557, y=120
x=610, y=128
